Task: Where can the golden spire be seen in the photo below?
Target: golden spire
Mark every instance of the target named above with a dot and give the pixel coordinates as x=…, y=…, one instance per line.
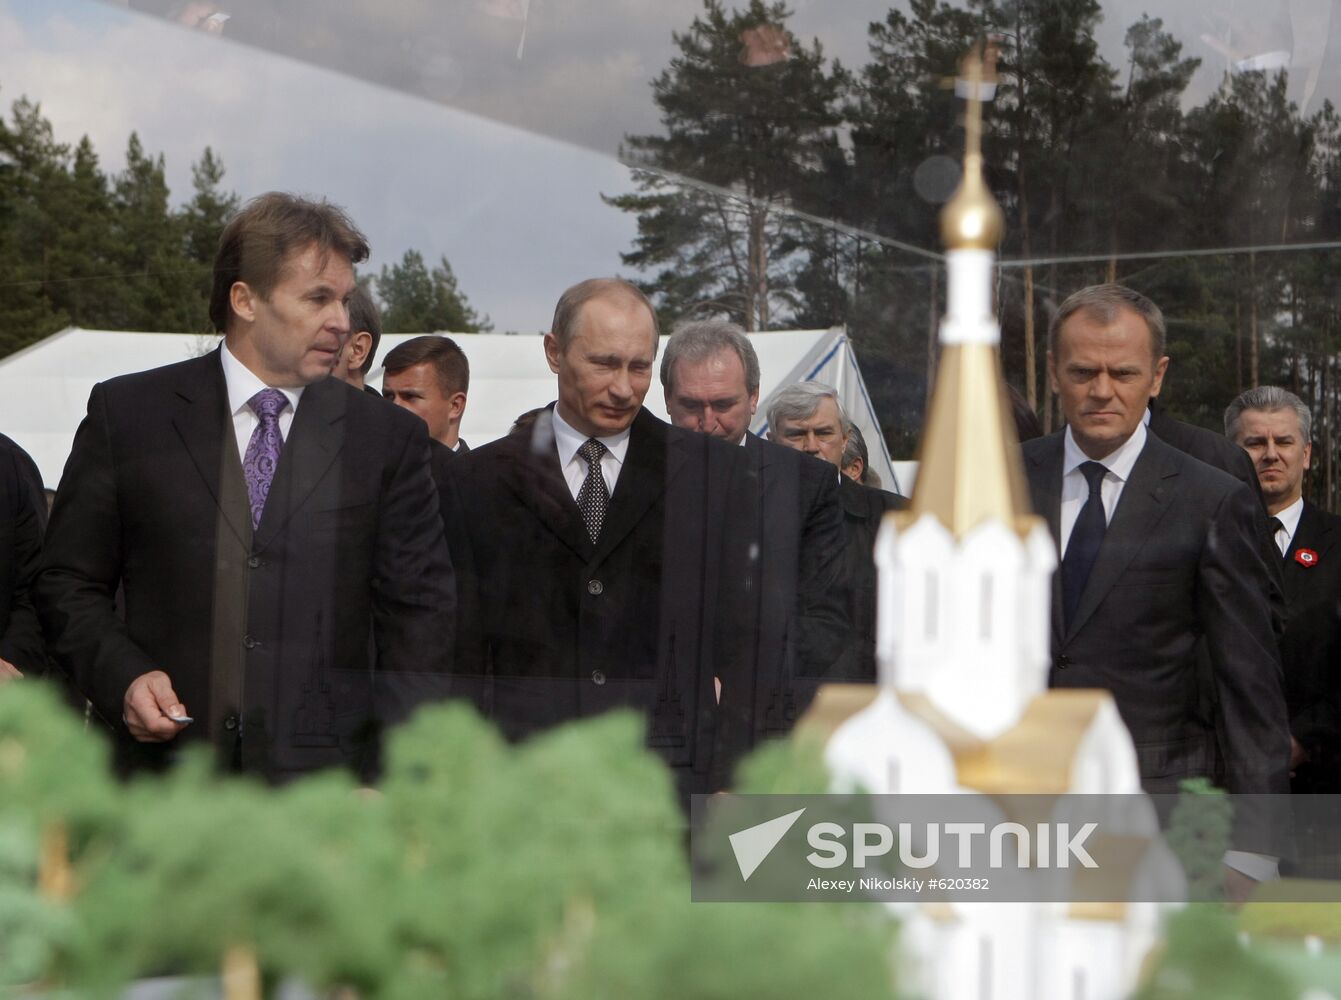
x=972, y=219
x=969, y=468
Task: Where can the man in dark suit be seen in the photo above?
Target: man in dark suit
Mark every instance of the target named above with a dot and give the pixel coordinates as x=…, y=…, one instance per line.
x=22, y=514
x=1157, y=549
x=430, y=377
x=790, y=619
x=594, y=542
x=261, y=518
x=808, y=417
x=1274, y=429
x=355, y=359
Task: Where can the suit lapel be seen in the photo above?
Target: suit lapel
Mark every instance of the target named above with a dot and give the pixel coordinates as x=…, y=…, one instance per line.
x=1312, y=532
x=203, y=423
x=1145, y=498
x=1045, y=487
x=315, y=438
x=531, y=471
x=649, y=467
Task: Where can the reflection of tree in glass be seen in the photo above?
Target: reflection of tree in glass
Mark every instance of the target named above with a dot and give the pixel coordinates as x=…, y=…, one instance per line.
x=752, y=128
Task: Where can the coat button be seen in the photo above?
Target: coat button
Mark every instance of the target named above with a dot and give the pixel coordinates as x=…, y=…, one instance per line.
x=253, y=562
x=595, y=588
x=1063, y=662
x=597, y=677
x=249, y=642
x=230, y=723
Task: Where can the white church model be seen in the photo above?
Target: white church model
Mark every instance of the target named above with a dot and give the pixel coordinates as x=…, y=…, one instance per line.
x=963, y=650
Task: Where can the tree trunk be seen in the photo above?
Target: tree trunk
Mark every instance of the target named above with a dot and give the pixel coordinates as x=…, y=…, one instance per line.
x=1238, y=337
x=1030, y=348
x=756, y=298
x=1328, y=410
x=1253, y=360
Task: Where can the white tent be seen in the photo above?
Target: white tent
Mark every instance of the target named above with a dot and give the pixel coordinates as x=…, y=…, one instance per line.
x=44, y=388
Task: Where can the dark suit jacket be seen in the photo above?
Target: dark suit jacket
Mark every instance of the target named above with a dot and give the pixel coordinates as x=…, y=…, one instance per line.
x=22, y=514
x=1310, y=647
x=1214, y=449
x=863, y=509
x=555, y=628
x=264, y=634
x=1179, y=560
x=787, y=627
x=1219, y=452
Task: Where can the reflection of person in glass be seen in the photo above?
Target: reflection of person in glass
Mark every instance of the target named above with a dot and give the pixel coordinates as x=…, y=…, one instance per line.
x=591, y=547
x=788, y=531
x=1274, y=427
x=808, y=417
x=261, y=518
x=1157, y=550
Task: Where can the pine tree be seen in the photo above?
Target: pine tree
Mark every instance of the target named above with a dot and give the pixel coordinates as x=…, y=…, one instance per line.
x=201, y=221
x=417, y=300
x=30, y=159
x=748, y=114
x=158, y=280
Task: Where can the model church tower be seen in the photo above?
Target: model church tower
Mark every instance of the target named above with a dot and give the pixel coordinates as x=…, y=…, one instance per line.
x=963, y=632
x=966, y=572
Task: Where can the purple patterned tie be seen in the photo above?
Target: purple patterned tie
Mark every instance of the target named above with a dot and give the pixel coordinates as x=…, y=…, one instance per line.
x=263, y=449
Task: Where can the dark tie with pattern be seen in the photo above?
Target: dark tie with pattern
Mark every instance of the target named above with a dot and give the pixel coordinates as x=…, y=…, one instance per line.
x=1086, y=537
x=263, y=449
x=593, y=497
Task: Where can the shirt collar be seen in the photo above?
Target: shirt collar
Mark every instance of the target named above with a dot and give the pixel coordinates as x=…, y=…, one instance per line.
x=1289, y=517
x=568, y=440
x=242, y=384
x=1119, y=463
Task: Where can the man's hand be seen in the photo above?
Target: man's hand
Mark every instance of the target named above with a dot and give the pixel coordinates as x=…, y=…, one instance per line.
x=8, y=671
x=149, y=701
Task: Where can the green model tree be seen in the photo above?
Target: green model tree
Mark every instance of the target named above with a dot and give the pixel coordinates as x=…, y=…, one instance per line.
x=553, y=869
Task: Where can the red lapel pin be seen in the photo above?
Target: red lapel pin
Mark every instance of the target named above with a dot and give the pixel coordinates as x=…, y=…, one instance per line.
x=1306, y=557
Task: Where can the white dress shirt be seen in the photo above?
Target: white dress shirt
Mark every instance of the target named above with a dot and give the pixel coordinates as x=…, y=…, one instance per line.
x=242, y=384
x=574, y=466
x=1289, y=519
x=1076, y=489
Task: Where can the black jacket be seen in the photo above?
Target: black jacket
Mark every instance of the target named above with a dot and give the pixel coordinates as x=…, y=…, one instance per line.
x=263, y=633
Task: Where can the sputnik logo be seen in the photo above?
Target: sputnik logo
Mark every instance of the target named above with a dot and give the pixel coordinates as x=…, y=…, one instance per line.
x=755, y=843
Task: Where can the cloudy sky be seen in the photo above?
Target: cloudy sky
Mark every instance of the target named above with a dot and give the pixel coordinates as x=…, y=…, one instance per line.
x=454, y=126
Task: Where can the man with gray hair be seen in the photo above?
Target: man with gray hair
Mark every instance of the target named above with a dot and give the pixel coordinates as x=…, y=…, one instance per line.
x=1274, y=427
x=857, y=460
x=788, y=620
x=808, y=417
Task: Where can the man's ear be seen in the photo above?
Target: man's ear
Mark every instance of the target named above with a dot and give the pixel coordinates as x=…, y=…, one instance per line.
x=243, y=299
x=1308, y=456
x=359, y=346
x=1052, y=373
x=456, y=404
x=754, y=401
x=552, y=352
x=1161, y=369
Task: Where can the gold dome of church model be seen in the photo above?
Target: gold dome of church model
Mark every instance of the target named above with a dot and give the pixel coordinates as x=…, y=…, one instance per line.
x=969, y=467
